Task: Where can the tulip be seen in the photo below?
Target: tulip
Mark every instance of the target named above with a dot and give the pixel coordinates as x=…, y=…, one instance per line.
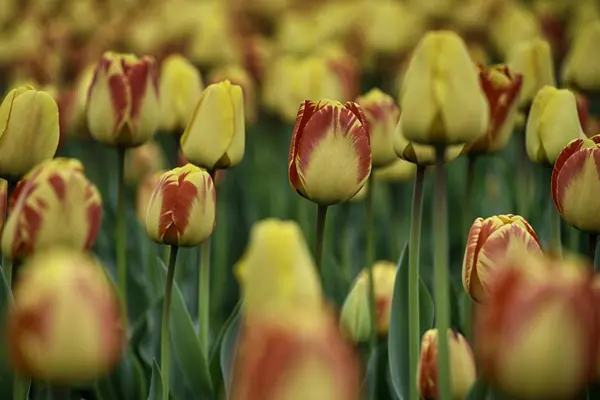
x=215, y=136
x=533, y=60
x=144, y=160
x=239, y=76
x=213, y=42
x=462, y=364
x=491, y=240
x=65, y=326
x=29, y=130
x=578, y=69
x=536, y=337
x=420, y=154
x=442, y=108
x=553, y=122
x=361, y=194
x=583, y=112
x=382, y=115
x=501, y=88
x=123, y=108
x=356, y=312
x=54, y=194
x=330, y=155
x=575, y=168
x=144, y=193
x=181, y=211
x=512, y=22
x=3, y=203
x=398, y=171
x=180, y=86
x=293, y=278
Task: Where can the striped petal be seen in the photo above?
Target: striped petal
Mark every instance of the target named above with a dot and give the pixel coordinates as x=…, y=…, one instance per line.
x=144, y=112
x=305, y=112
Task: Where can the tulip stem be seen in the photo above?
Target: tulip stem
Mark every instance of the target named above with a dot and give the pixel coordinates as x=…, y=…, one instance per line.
x=468, y=200
x=592, y=244
x=556, y=224
x=7, y=264
x=321, y=216
x=204, y=297
x=413, y=278
x=164, y=337
x=121, y=234
x=441, y=276
x=370, y=260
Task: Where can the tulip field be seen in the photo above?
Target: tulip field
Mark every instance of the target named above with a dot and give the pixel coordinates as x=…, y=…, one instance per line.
x=299, y=200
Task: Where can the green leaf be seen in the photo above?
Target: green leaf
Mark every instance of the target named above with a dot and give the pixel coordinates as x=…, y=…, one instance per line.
x=104, y=390
x=6, y=375
x=399, y=328
x=376, y=385
x=215, y=353
x=186, y=345
x=156, y=385
x=228, y=349
x=479, y=390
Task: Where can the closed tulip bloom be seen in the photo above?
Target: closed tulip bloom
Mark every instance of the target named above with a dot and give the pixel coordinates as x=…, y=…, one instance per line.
x=356, y=311
x=553, y=122
x=144, y=160
x=537, y=335
x=181, y=211
x=54, y=194
x=462, y=366
x=382, y=115
x=578, y=69
x=576, y=183
x=65, y=326
x=29, y=130
x=533, y=60
x=237, y=75
x=123, y=107
x=330, y=155
x=512, y=22
x=441, y=98
x=490, y=241
x=215, y=137
x=420, y=154
x=398, y=171
x=180, y=86
x=502, y=89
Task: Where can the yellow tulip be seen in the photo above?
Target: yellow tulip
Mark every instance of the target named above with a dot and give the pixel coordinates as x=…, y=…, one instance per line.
x=277, y=249
x=180, y=86
x=382, y=115
x=215, y=137
x=29, y=130
x=398, y=171
x=123, y=108
x=462, y=365
x=65, y=326
x=181, y=211
x=579, y=69
x=533, y=60
x=297, y=33
x=552, y=123
x=441, y=98
x=143, y=160
x=512, y=23
x=54, y=194
x=433, y=8
x=237, y=75
x=356, y=311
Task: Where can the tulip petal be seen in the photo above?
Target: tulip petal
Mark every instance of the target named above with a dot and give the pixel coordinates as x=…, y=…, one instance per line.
x=235, y=151
x=567, y=152
x=305, y=112
x=144, y=105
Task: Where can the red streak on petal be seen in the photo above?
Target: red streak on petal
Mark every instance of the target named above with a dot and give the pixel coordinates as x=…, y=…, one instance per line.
x=94, y=215
x=564, y=155
x=27, y=230
x=570, y=170
x=178, y=199
x=137, y=75
x=117, y=85
x=428, y=372
x=306, y=111
x=500, y=98
x=58, y=185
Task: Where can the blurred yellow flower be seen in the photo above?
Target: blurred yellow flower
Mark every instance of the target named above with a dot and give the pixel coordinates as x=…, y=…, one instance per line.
x=580, y=66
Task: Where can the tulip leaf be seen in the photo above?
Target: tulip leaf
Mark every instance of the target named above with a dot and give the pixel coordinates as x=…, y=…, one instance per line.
x=186, y=345
x=376, y=385
x=215, y=353
x=6, y=376
x=399, y=328
x=228, y=349
x=156, y=385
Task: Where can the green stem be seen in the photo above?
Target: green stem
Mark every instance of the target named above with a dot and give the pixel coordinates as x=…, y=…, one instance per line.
x=468, y=199
x=556, y=237
x=204, y=296
x=592, y=244
x=345, y=240
x=21, y=388
x=121, y=234
x=164, y=337
x=522, y=177
x=413, y=279
x=321, y=216
x=441, y=276
x=7, y=265
x=370, y=260
x=573, y=239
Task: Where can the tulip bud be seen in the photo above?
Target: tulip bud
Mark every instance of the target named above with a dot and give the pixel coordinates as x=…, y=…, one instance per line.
x=181, y=211
x=215, y=137
x=180, y=88
x=420, y=154
x=398, y=171
x=553, y=122
x=66, y=322
x=293, y=276
x=356, y=311
x=239, y=76
x=536, y=336
x=213, y=42
x=123, y=107
x=29, y=130
x=382, y=115
x=578, y=69
x=533, y=60
x=576, y=183
x=143, y=160
x=501, y=88
x=54, y=194
x=442, y=108
x=512, y=22
x=462, y=365
x=330, y=155
x=491, y=240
